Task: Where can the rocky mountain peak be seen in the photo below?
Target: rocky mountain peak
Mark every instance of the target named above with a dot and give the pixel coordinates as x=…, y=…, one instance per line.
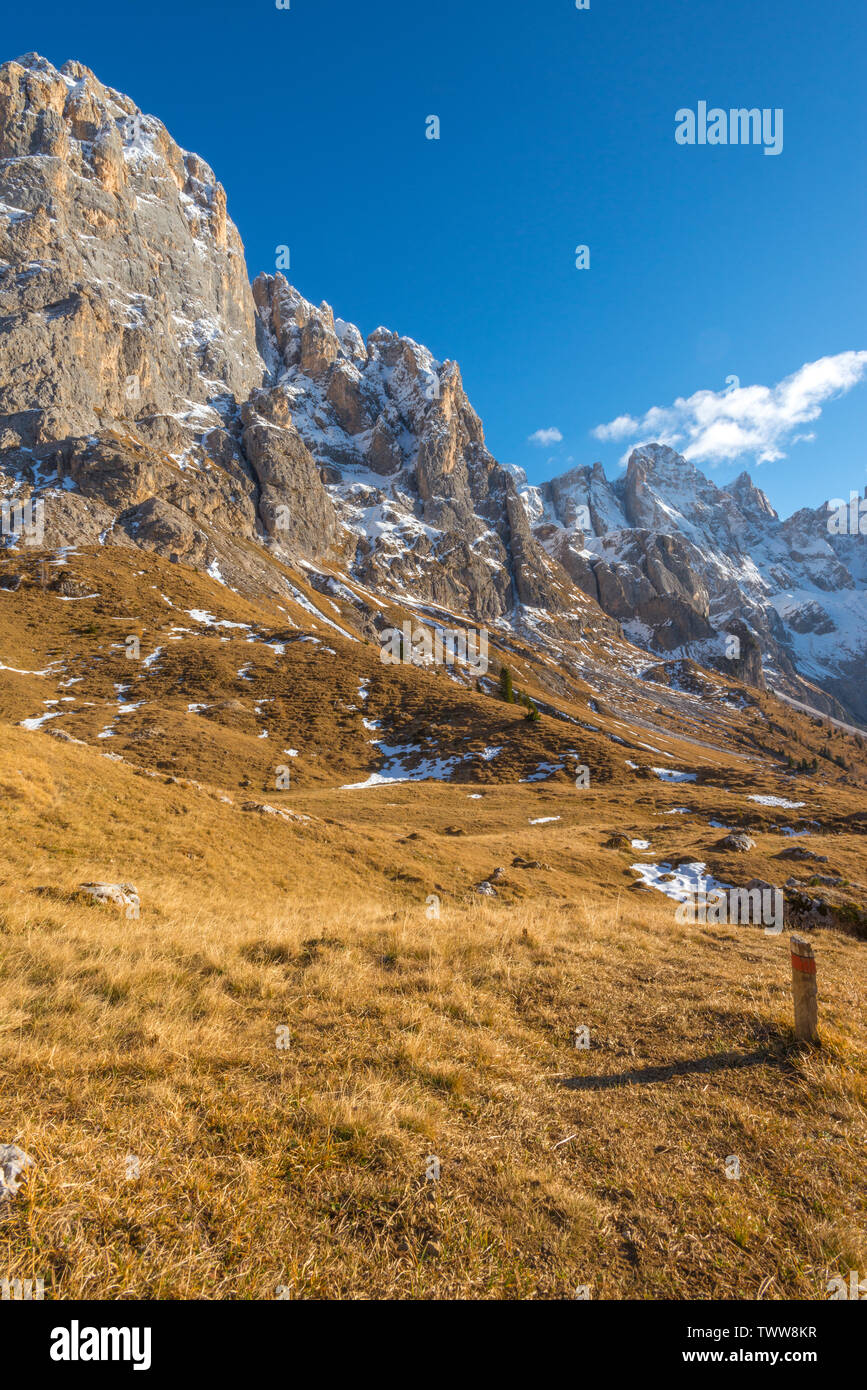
x=658, y=479
x=115, y=250
x=752, y=502
x=685, y=566
x=661, y=460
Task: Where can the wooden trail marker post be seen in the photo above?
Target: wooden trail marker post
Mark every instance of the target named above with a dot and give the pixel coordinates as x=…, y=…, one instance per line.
x=804, y=991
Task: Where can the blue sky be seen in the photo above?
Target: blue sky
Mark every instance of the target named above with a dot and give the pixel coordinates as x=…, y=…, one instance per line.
x=557, y=129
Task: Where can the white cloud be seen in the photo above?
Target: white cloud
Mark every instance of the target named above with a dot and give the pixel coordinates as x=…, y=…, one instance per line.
x=714, y=426
x=545, y=437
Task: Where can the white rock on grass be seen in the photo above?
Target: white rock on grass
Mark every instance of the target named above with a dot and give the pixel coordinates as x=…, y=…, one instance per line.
x=739, y=840
x=122, y=894
x=13, y=1162
x=284, y=813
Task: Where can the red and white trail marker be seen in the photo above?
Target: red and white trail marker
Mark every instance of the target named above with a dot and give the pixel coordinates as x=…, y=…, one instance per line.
x=804, y=991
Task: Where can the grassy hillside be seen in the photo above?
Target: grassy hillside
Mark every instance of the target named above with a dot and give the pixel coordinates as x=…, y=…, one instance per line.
x=242, y=1090
x=409, y=1036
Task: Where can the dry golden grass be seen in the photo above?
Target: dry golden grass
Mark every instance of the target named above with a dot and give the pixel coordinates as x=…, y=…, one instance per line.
x=304, y=1168
x=182, y=1153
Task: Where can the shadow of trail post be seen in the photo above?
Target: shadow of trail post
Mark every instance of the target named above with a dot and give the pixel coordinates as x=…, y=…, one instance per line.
x=648, y=1076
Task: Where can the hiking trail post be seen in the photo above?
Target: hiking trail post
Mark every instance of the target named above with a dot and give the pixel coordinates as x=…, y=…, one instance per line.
x=804, y=990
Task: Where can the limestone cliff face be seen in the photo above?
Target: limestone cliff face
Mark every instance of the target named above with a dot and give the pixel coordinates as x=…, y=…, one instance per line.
x=123, y=288
x=128, y=336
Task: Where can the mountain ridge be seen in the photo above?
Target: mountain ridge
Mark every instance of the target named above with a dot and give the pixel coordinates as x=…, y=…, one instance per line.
x=157, y=398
